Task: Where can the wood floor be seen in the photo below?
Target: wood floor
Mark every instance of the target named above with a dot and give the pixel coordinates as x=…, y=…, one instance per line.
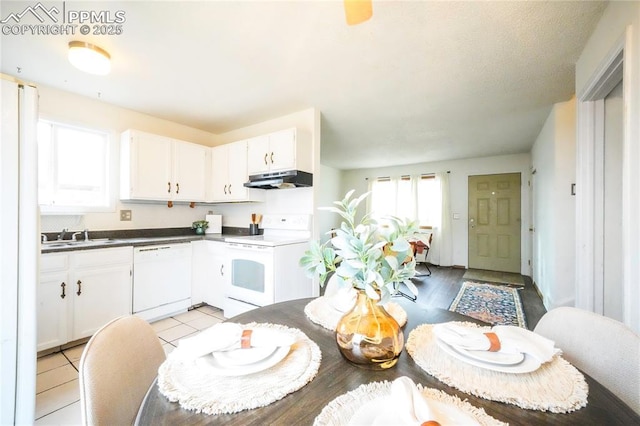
x=439, y=290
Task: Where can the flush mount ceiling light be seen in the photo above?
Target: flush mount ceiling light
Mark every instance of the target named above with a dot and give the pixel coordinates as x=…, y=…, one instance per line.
x=89, y=58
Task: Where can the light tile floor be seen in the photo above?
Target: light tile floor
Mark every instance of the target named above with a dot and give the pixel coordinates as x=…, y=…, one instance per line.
x=57, y=391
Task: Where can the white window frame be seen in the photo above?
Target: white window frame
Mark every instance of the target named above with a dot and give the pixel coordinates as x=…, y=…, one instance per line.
x=435, y=214
x=109, y=184
x=401, y=207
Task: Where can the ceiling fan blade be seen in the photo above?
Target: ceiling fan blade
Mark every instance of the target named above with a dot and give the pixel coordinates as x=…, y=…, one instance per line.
x=357, y=11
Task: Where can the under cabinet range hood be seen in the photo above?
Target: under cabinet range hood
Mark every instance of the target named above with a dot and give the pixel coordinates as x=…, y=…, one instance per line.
x=279, y=180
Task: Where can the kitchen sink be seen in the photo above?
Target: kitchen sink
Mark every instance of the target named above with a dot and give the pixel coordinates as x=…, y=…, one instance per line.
x=81, y=243
x=58, y=243
x=103, y=241
x=100, y=242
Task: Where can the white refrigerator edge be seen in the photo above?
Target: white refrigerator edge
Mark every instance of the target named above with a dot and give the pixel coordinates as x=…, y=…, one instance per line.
x=19, y=250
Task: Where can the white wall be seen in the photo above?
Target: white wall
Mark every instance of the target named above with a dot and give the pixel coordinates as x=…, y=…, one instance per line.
x=553, y=159
x=277, y=201
x=76, y=109
x=458, y=181
x=617, y=18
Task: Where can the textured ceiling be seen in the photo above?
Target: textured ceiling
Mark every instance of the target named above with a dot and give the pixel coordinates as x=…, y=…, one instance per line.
x=421, y=81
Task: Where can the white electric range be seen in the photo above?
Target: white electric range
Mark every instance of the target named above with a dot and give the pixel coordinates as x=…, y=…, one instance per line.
x=264, y=268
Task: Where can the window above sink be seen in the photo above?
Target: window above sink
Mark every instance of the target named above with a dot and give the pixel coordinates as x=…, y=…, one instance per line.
x=76, y=169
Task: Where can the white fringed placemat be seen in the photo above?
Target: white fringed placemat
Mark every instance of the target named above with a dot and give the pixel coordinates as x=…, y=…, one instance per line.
x=199, y=389
x=321, y=312
x=340, y=411
x=556, y=386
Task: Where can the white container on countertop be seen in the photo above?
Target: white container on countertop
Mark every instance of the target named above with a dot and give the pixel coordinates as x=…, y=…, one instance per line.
x=215, y=224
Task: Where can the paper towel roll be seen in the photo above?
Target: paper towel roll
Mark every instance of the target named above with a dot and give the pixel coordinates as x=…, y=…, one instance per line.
x=215, y=224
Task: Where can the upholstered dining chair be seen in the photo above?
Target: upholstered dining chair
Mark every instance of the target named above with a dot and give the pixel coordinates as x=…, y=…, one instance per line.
x=604, y=348
x=117, y=367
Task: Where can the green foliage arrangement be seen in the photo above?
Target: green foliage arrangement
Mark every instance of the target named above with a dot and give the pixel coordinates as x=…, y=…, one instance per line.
x=367, y=255
x=200, y=224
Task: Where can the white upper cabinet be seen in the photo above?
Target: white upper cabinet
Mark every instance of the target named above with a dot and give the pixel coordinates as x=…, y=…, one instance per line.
x=258, y=155
x=229, y=173
x=145, y=166
x=238, y=171
x=190, y=171
x=220, y=173
x=282, y=147
x=278, y=151
x=154, y=167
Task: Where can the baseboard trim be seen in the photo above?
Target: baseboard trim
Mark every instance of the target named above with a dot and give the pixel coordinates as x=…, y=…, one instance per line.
x=459, y=267
x=535, y=286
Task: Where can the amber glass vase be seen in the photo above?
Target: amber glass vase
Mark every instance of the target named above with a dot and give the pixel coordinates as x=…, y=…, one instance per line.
x=368, y=336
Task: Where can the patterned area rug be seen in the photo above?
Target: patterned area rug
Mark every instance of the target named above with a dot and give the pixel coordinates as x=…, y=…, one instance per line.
x=495, y=304
x=493, y=277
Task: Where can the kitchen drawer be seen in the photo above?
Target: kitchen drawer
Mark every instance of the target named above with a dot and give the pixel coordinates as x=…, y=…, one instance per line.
x=54, y=262
x=101, y=257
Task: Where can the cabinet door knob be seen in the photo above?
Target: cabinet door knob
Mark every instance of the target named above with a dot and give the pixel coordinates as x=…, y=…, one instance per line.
x=79, y=292
x=272, y=158
x=266, y=154
x=177, y=188
x=222, y=269
x=169, y=187
x=225, y=190
x=229, y=189
x=63, y=285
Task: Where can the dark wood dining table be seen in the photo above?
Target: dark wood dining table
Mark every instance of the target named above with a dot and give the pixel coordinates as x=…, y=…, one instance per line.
x=336, y=376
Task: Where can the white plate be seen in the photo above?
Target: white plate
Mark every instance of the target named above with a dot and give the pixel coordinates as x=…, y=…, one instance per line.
x=246, y=356
x=210, y=363
x=238, y=357
x=527, y=365
x=497, y=358
x=368, y=412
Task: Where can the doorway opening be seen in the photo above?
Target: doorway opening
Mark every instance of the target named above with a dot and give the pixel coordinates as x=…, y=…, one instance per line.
x=600, y=236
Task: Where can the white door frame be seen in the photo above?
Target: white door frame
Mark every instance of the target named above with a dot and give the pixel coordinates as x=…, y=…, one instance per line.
x=589, y=178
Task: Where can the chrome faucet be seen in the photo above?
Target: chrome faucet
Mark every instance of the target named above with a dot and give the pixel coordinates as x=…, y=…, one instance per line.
x=86, y=235
x=73, y=236
x=62, y=234
x=43, y=238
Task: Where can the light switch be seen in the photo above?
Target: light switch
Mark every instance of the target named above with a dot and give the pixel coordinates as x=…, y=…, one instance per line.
x=456, y=216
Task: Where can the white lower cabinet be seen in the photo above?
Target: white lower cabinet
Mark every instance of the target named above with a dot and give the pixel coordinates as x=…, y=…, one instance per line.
x=53, y=295
x=81, y=291
x=209, y=272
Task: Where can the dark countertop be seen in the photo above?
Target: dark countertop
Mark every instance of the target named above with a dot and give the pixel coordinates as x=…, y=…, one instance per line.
x=136, y=238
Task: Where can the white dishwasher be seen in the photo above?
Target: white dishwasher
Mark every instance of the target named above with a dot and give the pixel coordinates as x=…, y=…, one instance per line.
x=161, y=280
